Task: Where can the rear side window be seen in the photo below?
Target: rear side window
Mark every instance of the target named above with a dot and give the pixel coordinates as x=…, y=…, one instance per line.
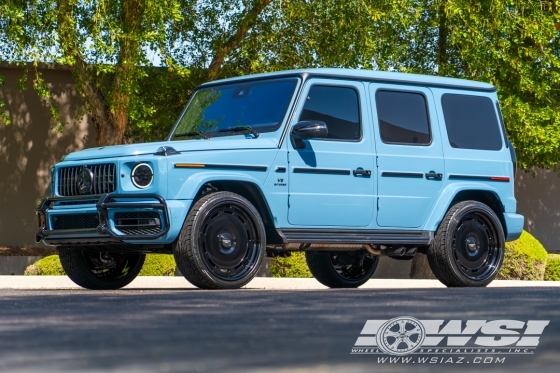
x=338, y=107
x=403, y=118
x=471, y=122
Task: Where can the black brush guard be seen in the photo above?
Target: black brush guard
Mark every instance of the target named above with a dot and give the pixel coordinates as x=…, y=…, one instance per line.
x=101, y=234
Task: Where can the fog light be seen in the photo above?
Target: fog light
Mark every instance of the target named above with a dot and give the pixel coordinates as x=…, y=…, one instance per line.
x=142, y=175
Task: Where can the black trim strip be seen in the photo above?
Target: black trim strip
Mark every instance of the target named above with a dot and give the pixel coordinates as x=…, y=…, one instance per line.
x=328, y=171
x=222, y=166
x=416, y=175
x=356, y=236
x=485, y=178
x=280, y=169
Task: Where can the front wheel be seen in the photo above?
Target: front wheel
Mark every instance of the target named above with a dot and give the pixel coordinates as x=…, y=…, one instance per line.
x=468, y=249
x=100, y=270
x=341, y=269
x=222, y=242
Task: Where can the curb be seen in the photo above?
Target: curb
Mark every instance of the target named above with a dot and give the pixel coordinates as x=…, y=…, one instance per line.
x=258, y=283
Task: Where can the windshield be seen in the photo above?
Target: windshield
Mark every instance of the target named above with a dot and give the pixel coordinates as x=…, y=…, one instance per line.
x=222, y=111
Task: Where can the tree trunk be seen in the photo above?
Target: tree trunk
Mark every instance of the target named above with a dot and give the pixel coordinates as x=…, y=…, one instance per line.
x=442, y=38
x=233, y=42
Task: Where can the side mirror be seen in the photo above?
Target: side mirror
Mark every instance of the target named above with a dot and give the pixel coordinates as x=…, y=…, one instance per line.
x=308, y=129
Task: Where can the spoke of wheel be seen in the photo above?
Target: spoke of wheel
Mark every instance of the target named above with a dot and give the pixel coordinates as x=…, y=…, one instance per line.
x=407, y=341
x=395, y=345
x=389, y=333
x=416, y=330
x=402, y=326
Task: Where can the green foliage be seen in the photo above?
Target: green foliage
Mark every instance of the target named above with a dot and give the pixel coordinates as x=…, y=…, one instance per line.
x=291, y=266
x=47, y=266
x=525, y=259
x=158, y=265
x=552, y=271
x=155, y=265
x=110, y=47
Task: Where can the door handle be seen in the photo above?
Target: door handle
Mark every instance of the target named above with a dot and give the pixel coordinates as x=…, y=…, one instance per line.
x=433, y=175
x=360, y=171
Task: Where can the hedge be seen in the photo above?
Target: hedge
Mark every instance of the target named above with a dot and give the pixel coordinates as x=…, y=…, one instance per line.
x=291, y=266
x=552, y=272
x=155, y=265
x=524, y=259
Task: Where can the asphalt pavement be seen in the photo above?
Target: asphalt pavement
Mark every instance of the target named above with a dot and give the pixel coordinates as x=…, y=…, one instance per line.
x=183, y=329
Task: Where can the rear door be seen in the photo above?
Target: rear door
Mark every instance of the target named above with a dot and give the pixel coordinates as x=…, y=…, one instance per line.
x=410, y=164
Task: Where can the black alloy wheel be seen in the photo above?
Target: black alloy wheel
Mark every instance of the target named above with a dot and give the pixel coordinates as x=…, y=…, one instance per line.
x=349, y=269
x=100, y=270
x=469, y=246
x=222, y=243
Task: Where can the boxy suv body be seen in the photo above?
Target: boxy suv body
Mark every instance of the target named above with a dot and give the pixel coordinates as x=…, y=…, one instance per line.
x=344, y=164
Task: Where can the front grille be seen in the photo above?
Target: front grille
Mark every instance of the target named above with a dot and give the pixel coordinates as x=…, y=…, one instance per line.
x=140, y=222
x=104, y=179
x=78, y=221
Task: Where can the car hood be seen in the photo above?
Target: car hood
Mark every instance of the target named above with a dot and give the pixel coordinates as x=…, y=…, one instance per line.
x=220, y=143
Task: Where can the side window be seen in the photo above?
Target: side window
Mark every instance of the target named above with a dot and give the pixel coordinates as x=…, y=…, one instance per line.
x=471, y=122
x=403, y=118
x=338, y=107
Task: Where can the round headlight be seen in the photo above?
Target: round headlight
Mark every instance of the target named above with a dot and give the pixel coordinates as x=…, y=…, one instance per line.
x=142, y=175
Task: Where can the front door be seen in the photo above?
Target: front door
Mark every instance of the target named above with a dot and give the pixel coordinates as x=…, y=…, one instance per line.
x=410, y=164
x=328, y=181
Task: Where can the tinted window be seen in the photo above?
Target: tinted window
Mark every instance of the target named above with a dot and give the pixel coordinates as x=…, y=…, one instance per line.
x=260, y=105
x=403, y=117
x=336, y=106
x=471, y=122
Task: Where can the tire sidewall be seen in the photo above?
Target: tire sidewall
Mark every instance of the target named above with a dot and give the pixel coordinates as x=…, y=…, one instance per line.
x=452, y=229
x=74, y=264
x=207, y=205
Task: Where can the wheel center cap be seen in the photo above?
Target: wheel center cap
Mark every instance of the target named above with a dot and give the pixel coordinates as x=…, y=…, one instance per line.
x=471, y=245
x=227, y=242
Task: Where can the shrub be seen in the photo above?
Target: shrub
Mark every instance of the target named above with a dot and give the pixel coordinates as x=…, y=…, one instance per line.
x=155, y=265
x=158, y=265
x=552, y=271
x=292, y=266
x=525, y=259
x=47, y=266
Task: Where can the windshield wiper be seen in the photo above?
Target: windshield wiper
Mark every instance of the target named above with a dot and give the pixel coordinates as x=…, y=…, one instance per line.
x=193, y=133
x=246, y=129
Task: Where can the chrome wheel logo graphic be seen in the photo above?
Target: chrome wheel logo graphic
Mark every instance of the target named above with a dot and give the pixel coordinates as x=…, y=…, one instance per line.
x=85, y=180
x=401, y=336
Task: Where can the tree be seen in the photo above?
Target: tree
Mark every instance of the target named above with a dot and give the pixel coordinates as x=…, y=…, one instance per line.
x=513, y=44
x=106, y=44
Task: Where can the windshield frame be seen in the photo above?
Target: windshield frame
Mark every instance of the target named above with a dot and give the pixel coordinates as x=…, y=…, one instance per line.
x=287, y=114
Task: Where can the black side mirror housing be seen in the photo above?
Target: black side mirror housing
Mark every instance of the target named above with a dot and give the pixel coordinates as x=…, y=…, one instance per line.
x=308, y=129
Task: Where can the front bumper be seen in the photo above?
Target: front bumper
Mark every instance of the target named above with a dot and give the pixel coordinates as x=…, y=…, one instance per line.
x=103, y=207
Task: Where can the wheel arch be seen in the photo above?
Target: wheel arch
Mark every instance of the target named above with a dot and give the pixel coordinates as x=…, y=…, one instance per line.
x=450, y=197
x=249, y=190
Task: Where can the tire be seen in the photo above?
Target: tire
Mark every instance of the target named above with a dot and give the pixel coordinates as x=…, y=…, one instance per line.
x=468, y=250
x=100, y=271
x=222, y=242
x=343, y=269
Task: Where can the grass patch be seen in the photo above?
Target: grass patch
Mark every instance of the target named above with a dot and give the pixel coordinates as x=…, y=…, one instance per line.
x=294, y=266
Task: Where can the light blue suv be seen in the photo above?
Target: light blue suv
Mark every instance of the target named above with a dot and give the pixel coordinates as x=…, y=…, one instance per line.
x=346, y=165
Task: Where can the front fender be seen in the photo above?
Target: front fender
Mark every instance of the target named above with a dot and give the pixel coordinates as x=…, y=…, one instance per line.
x=189, y=187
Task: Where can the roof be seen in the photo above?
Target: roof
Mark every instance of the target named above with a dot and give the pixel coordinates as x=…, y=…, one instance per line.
x=370, y=75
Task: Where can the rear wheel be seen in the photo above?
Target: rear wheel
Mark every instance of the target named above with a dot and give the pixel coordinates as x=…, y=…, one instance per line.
x=341, y=269
x=222, y=242
x=468, y=249
x=100, y=270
